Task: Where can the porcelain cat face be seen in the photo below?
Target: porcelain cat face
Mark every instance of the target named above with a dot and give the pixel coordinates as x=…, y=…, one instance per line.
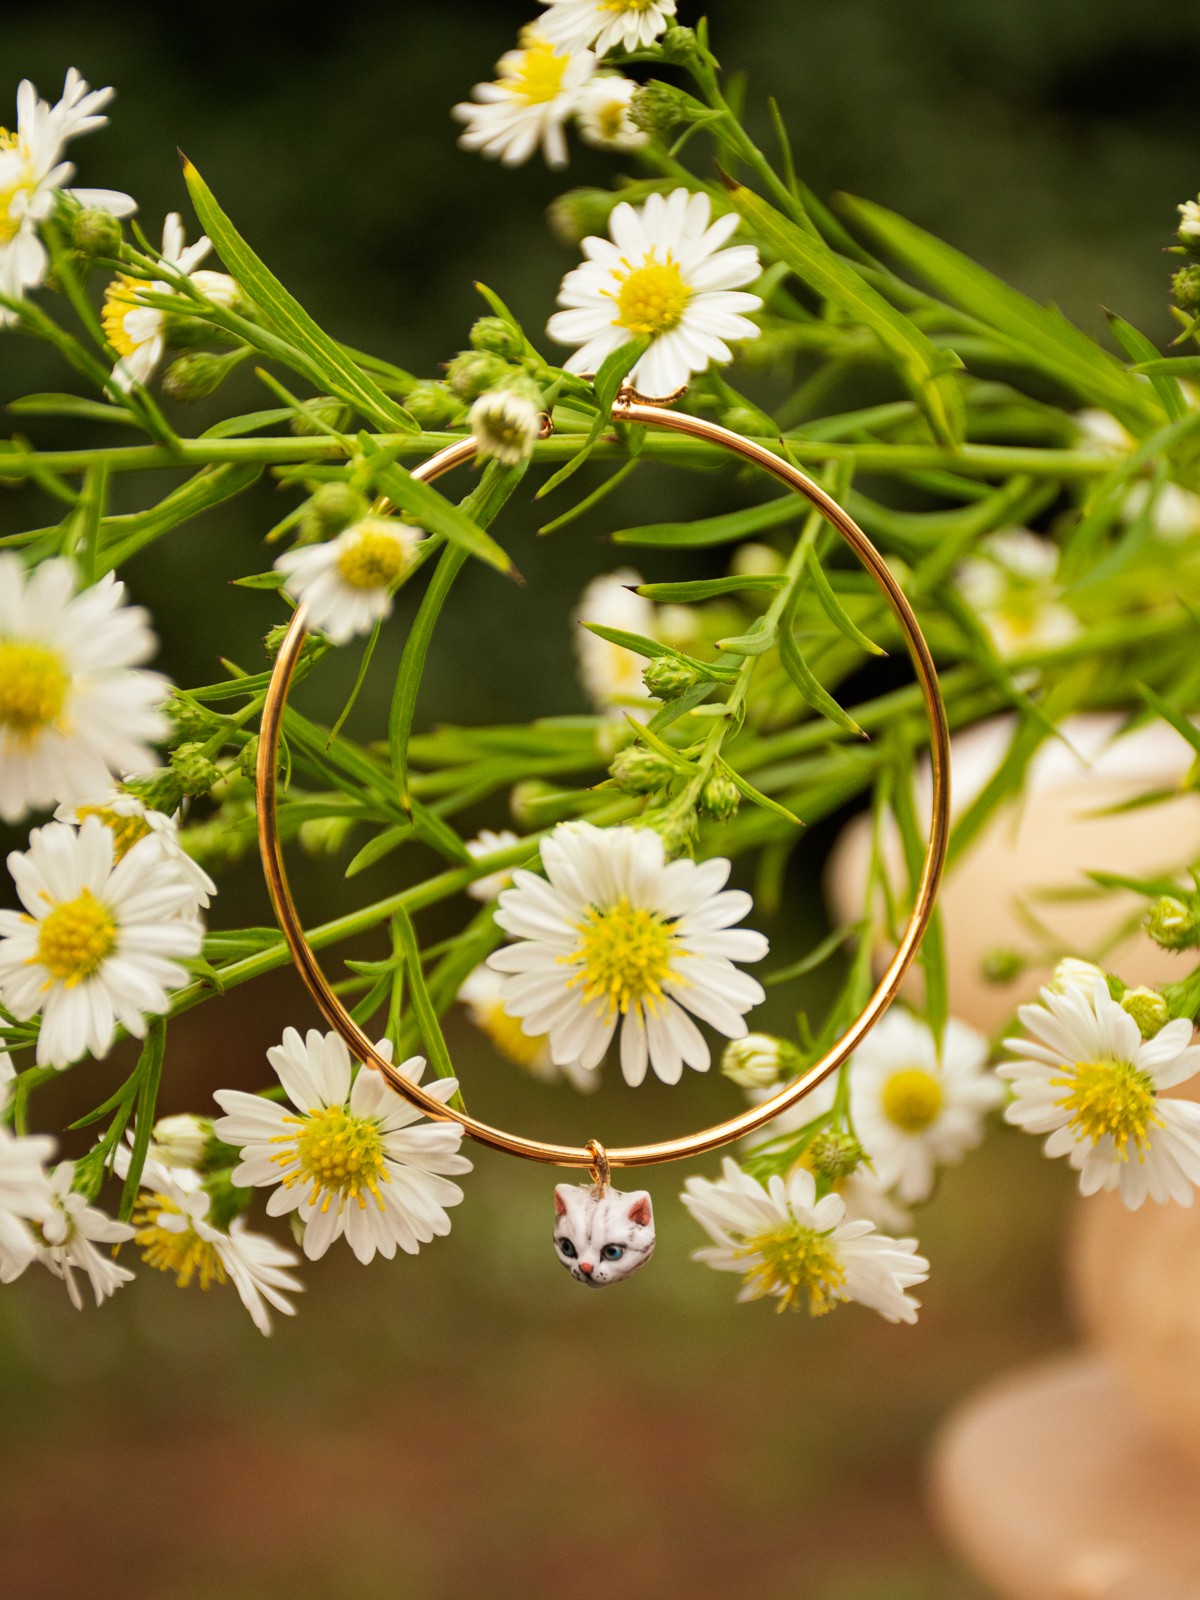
x=601, y=1239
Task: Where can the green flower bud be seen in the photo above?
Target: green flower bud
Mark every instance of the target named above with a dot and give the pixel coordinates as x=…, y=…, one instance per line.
x=1185, y=286
x=1002, y=966
x=523, y=800
x=742, y=419
x=273, y=639
x=227, y=1201
x=834, y=1154
x=580, y=213
x=190, y=719
x=161, y=791
x=326, y=411
x=1148, y=1009
x=324, y=836
x=248, y=758
x=639, y=770
x=497, y=338
x=196, y=772
x=198, y=374
x=666, y=678
x=432, y=404
x=335, y=506
x=656, y=108
x=182, y=1141
x=720, y=798
x=473, y=371
x=759, y=1060
x=677, y=832
x=96, y=233
x=678, y=45
x=1173, y=924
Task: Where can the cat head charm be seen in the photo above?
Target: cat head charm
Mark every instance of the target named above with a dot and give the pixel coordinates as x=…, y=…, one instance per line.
x=602, y=1237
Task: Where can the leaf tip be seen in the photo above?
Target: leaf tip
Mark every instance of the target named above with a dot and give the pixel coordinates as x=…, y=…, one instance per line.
x=730, y=183
x=189, y=171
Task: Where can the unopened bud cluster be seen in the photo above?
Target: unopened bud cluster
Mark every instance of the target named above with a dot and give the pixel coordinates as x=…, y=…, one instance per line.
x=666, y=678
x=834, y=1154
x=639, y=770
x=760, y=1060
x=1148, y=1009
x=1174, y=924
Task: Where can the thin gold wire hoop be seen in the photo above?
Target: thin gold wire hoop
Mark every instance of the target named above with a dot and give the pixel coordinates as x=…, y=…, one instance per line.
x=628, y=409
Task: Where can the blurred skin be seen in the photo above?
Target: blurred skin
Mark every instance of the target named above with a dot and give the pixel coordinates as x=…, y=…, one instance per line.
x=659, y=1440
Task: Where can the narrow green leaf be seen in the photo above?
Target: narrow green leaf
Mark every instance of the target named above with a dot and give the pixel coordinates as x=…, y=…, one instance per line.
x=709, y=588
x=926, y=369
x=433, y=511
x=651, y=648
x=607, y=385
x=933, y=947
x=1139, y=349
x=381, y=845
x=756, y=641
x=427, y=1018
x=70, y=405
x=727, y=529
x=149, y=1074
x=834, y=609
x=1171, y=714
x=122, y=537
x=288, y=318
x=746, y=788
x=817, y=696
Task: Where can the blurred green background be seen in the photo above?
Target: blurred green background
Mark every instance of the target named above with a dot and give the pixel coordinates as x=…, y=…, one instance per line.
x=468, y=1422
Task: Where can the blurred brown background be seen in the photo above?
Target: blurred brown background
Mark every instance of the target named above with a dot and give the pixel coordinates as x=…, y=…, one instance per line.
x=468, y=1422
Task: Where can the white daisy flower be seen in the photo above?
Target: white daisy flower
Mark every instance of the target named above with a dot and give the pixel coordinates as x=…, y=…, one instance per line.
x=611, y=675
x=913, y=1112
x=347, y=583
x=616, y=937
x=506, y=426
x=534, y=93
x=174, y=1233
x=1013, y=586
x=31, y=172
x=70, y=1234
x=1174, y=515
x=486, y=843
x=605, y=25
x=138, y=333
x=602, y=114
x=1071, y=972
x=75, y=708
x=482, y=992
x=1090, y=1081
x=130, y=820
x=1100, y=434
x=25, y=1194
x=351, y=1159
x=99, y=943
x=663, y=273
x=790, y=1246
x=1189, y=222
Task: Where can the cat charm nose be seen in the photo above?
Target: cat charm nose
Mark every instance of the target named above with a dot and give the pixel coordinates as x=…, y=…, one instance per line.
x=586, y=1266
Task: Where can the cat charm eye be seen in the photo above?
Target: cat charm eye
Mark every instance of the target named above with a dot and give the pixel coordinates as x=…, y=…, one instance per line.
x=600, y=1234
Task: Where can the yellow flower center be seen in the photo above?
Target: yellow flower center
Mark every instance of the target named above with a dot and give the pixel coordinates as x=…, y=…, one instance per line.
x=610, y=119
x=185, y=1254
x=539, y=78
x=372, y=559
x=652, y=298
x=627, y=5
x=120, y=298
x=912, y=1099
x=626, y=955
x=33, y=686
x=798, y=1265
x=1112, y=1098
x=11, y=214
x=507, y=1035
x=126, y=830
x=75, y=938
x=338, y=1153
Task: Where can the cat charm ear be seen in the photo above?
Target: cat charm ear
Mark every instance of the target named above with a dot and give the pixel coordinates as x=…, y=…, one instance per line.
x=602, y=1236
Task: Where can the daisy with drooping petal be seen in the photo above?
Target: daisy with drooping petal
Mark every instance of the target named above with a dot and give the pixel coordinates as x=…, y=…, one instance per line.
x=602, y=114
x=1090, y=1081
x=506, y=425
x=130, y=820
x=611, y=674
x=137, y=332
x=482, y=992
x=914, y=1110
x=99, y=944
x=351, y=1158
x=70, y=1234
x=663, y=273
x=347, y=583
x=604, y=25
x=31, y=173
x=75, y=708
x=486, y=843
x=789, y=1246
x=25, y=1194
x=534, y=93
x=174, y=1231
x=616, y=938
x=1013, y=585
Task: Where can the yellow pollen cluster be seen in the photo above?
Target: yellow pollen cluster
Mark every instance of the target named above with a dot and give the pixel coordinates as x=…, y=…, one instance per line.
x=372, y=559
x=338, y=1153
x=506, y=1034
x=119, y=299
x=10, y=214
x=185, y=1254
x=74, y=938
x=652, y=298
x=1111, y=1098
x=619, y=6
x=126, y=830
x=539, y=78
x=624, y=955
x=611, y=119
x=798, y=1261
x=33, y=687
x=912, y=1099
